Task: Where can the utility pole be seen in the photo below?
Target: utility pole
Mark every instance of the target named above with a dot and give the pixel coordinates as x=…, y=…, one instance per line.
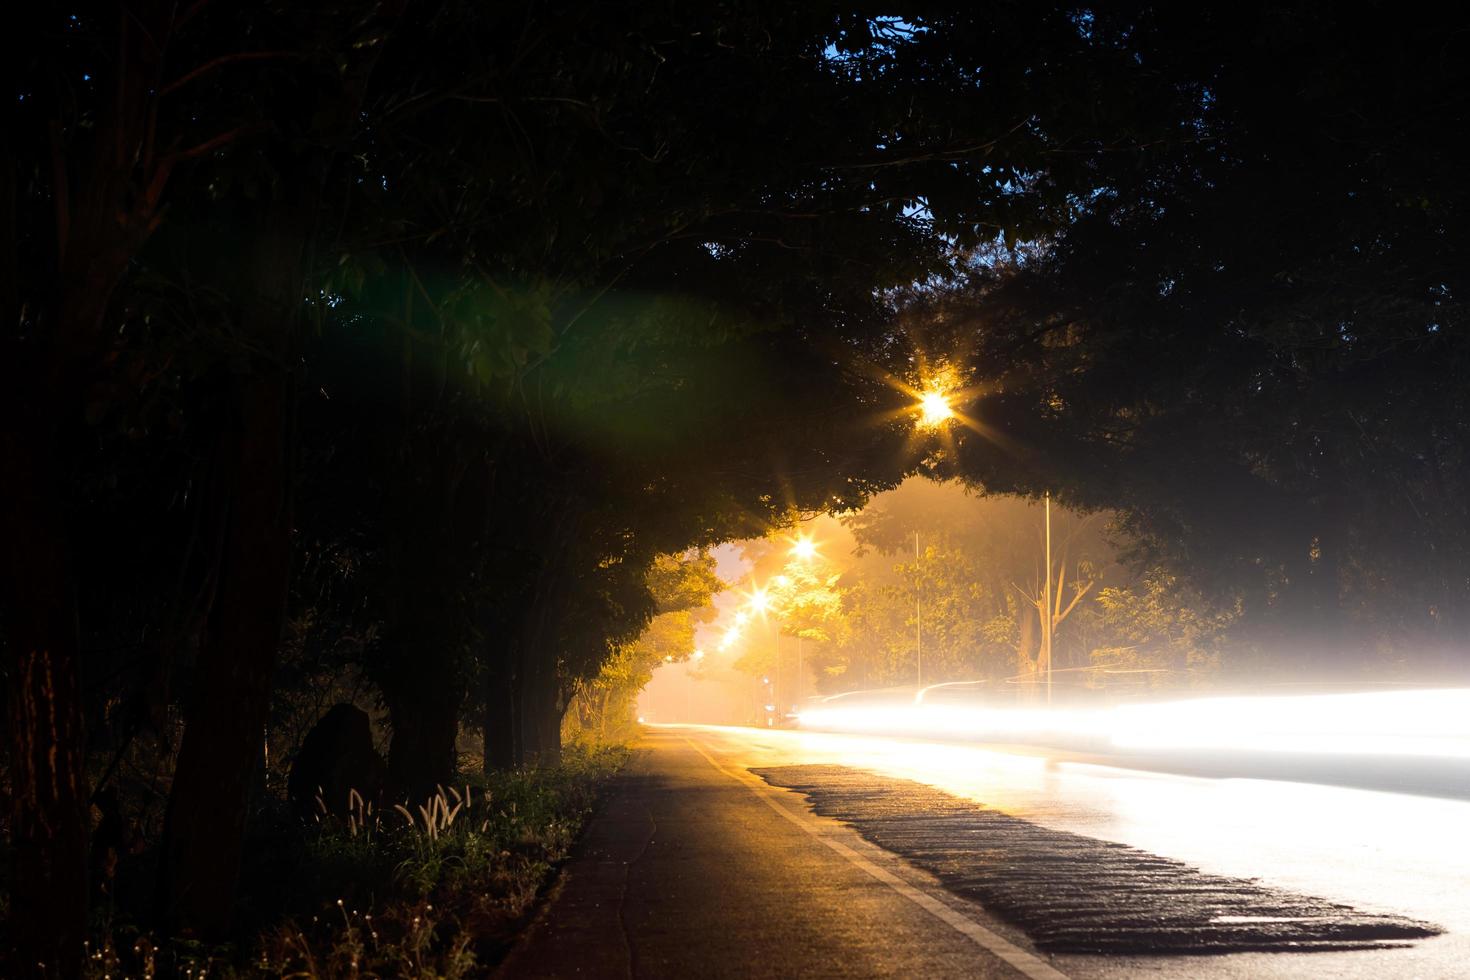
x=918, y=622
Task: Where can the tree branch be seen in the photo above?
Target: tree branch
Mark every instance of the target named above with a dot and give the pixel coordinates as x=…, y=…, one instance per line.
x=1073, y=604
x=221, y=61
x=215, y=142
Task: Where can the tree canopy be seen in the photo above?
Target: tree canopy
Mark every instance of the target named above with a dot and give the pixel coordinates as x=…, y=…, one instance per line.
x=400, y=345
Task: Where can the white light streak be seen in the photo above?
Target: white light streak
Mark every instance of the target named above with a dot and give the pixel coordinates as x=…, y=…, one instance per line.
x=1430, y=724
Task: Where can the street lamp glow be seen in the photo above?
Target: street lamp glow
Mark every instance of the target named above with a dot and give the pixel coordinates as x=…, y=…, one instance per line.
x=697, y=655
x=760, y=601
x=741, y=618
x=804, y=548
x=934, y=409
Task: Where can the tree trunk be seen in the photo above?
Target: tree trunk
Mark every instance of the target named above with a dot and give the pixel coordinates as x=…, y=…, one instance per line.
x=523, y=697
x=54, y=348
x=43, y=711
x=204, y=826
x=437, y=513
x=541, y=712
x=500, y=711
x=602, y=714
x=424, y=711
x=540, y=702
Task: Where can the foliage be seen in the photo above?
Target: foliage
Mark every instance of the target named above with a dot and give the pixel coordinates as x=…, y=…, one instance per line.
x=1161, y=630
x=402, y=343
x=1250, y=339
x=682, y=587
x=432, y=890
x=972, y=585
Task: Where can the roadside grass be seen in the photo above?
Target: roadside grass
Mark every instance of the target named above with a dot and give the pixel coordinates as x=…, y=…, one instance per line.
x=434, y=889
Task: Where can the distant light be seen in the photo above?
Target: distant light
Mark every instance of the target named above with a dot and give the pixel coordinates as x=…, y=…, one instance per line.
x=804, y=548
x=783, y=580
x=760, y=601
x=697, y=655
x=640, y=719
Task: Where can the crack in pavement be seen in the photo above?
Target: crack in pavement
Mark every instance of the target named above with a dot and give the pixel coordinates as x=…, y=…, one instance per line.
x=1077, y=894
x=631, y=956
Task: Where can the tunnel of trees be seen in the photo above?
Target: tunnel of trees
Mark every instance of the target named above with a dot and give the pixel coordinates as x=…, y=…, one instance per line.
x=398, y=343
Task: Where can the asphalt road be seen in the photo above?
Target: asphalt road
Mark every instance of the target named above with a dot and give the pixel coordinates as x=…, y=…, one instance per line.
x=698, y=867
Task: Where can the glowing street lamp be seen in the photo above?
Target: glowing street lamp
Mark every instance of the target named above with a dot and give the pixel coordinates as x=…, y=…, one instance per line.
x=805, y=549
x=760, y=600
x=934, y=409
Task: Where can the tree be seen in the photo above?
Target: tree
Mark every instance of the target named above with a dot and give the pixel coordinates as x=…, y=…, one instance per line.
x=86, y=174
x=625, y=268
x=682, y=587
x=802, y=600
x=1162, y=635
x=1246, y=338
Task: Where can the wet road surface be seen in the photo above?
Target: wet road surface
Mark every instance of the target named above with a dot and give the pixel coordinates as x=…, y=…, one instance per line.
x=1079, y=894
x=697, y=868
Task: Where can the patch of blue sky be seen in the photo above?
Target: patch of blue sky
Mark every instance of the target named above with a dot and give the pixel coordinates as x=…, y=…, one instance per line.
x=888, y=33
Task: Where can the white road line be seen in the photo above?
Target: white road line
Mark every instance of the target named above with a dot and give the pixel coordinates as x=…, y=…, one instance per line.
x=1023, y=961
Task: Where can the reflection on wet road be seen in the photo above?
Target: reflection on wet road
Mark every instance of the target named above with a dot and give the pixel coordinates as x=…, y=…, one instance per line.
x=1392, y=853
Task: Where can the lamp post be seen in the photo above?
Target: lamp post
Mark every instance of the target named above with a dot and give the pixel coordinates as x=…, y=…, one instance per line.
x=1048, y=624
x=776, y=687
x=918, y=615
x=803, y=550
x=694, y=658
x=800, y=674
x=760, y=602
x=934, y=411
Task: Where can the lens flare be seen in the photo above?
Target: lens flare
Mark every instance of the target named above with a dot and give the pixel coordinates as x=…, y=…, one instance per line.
x=934, y=409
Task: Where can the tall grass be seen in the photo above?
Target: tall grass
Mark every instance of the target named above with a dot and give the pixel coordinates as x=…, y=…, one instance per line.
x=431, y=888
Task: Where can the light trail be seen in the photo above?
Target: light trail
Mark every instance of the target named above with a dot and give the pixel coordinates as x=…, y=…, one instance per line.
x=1377, y=849
x=1423, y=724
